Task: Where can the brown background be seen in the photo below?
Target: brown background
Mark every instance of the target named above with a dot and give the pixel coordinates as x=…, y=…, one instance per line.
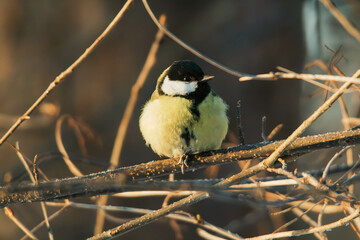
x=40, y=39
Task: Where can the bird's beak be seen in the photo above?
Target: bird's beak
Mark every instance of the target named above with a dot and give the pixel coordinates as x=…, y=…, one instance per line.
x=206, y=78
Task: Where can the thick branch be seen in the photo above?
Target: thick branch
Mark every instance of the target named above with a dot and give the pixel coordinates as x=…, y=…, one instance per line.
x=99, y=183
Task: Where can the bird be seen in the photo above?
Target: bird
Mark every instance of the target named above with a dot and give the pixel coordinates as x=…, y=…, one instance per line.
x=184, y=115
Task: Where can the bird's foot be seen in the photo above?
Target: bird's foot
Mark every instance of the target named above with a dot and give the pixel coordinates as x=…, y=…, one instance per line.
x=183, y=161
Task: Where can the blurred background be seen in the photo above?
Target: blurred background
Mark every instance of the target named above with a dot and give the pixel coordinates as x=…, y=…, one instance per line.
x=39, y=39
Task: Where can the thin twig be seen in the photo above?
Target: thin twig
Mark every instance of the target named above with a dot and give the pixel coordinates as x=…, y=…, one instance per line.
x=75, y=125
x=155, y=193
x=323, y=228
x=302, y=76
x=239, y=124
x=300, y=214
x=338, y=154
x=355, y=224
x=34, y=181
x=148, y=65
x=47, y=223
x=275, y=131
x=112, y=181
x=276, y=154
x=263, y=124
x=353, y=121
x=35, y=170
x=124, y=124
x=51, y=217
x=188, y=47
x=29, y=162
x=303, y=216
x=72, y=167
x=173, y=223
x=342, y=19
x=304, y=205
x=320, y=216
x=287, y=174
x=150, y=217
x=268, y=162
x=345, y=116
x=100, y=215
x=180, y=217
x=206, y=235
x=350, y=180
x=23, y=161
x=64, y=74
x=10, y=214
x=290, y=208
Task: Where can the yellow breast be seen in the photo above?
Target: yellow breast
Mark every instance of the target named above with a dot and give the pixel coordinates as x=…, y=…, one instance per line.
x=171, y=129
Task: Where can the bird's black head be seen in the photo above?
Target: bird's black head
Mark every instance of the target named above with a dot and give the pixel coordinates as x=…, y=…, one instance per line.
x=185, y=70
x=185, y=79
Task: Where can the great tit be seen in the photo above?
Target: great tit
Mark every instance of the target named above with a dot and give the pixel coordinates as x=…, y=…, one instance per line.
x=184, y=115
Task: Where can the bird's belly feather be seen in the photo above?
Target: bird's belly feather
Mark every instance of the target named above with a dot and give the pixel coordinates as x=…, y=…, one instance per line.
x=170, y=128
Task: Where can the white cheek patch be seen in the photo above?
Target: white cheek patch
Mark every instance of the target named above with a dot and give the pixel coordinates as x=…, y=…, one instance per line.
x=183, y=88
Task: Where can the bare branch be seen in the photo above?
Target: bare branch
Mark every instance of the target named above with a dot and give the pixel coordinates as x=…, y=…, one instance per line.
x=323, y=228
x=342, y=19
x=64, y=74
x=103, y=182
x=338, y=154
x=189, y=48
x=71, y=166
x=10, y=214
x=268, y=162
x=301, y=76
x=124, y=124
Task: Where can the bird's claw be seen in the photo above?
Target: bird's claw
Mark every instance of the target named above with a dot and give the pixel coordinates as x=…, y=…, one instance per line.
x=183, y=161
